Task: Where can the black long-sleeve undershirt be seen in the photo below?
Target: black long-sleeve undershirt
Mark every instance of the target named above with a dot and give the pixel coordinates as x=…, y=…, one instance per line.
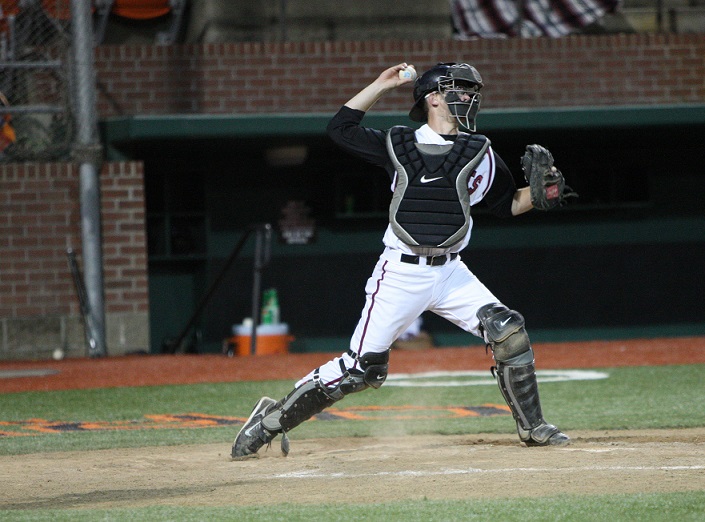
x=370, y=145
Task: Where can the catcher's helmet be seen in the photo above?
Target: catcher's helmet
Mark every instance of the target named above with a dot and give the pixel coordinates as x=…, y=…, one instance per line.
x=446, y=78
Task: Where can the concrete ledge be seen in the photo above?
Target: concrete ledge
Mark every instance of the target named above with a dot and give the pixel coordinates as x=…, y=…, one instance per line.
x=678, y=19
x=37, y=337
x=214, y=21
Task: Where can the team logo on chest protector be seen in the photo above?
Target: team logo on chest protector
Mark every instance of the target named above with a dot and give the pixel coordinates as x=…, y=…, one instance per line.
x=431, y=204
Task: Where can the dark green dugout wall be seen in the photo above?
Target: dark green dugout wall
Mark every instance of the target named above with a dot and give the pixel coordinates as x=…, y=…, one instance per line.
x=626, y=259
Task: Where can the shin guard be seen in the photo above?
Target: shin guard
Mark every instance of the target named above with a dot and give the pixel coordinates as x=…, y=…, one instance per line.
x=313, y=396
x=521, y=391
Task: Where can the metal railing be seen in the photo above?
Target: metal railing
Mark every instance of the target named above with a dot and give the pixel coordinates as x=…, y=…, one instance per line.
x=35, y=81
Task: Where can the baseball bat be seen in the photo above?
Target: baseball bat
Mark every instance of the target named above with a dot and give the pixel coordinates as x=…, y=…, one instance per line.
x=89, y=328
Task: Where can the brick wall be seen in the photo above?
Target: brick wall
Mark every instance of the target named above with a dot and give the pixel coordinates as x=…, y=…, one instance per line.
x=39, y=220
x=250, y=77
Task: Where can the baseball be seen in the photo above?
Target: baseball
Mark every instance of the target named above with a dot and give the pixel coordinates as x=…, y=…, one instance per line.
x=407, y=73
x=58, y=354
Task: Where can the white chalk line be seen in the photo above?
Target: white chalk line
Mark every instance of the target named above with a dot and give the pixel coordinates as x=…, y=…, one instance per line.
x=32, y=372
x=312, y=474
x=482, y=378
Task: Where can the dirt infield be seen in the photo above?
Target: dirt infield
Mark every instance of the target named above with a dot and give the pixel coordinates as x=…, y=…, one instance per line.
x=359, y=469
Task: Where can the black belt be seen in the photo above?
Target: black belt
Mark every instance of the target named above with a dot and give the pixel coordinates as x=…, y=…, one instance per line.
x=430, y=260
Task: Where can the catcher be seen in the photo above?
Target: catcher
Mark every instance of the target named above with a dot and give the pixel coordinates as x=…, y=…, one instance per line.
x=437, y=173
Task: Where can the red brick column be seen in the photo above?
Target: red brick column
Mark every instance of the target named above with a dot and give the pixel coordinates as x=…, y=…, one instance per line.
x=39, y=220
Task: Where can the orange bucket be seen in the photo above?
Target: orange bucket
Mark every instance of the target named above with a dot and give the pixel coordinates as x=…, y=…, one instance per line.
x=266, y=344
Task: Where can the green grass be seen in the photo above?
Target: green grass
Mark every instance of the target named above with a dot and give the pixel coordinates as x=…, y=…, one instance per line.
x=681, y=507
x=631, y=398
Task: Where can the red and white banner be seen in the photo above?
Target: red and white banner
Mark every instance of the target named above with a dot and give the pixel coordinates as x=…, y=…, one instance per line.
x=526, y=18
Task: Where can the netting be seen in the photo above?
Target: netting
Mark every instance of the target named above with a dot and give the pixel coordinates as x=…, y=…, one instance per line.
x=35, y=106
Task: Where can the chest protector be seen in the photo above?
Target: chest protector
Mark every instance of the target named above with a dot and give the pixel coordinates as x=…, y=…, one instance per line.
x=431, y=205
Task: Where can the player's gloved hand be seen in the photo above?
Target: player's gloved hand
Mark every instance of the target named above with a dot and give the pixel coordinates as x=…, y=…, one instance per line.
x=546, y=183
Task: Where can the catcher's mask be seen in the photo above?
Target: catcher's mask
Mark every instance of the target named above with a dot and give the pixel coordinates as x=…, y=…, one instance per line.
x=460, y=85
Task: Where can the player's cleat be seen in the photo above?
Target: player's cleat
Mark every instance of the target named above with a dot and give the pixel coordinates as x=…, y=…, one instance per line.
x=543, y=435
x=252, y=436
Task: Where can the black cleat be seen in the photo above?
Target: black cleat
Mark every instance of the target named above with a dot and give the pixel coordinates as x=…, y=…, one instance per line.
x=252, y=436
x=543, y=435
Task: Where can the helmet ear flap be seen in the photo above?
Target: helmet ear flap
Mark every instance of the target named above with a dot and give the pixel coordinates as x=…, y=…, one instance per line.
x=425, y=84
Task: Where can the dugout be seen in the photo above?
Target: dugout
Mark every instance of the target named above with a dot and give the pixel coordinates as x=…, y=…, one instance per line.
x=624, y=260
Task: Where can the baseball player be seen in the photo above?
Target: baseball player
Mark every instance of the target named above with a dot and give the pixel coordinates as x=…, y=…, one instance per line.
x=437, y=174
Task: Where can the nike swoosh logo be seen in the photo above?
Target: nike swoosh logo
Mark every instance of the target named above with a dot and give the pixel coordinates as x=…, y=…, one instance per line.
x=502, y=323
x=424, y=179
x=248, y=431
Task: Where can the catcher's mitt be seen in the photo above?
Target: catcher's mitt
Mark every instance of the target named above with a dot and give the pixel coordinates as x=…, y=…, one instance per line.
x=546, y=183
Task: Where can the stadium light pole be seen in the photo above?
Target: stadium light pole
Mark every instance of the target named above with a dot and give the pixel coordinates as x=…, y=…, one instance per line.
x=87, y=152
